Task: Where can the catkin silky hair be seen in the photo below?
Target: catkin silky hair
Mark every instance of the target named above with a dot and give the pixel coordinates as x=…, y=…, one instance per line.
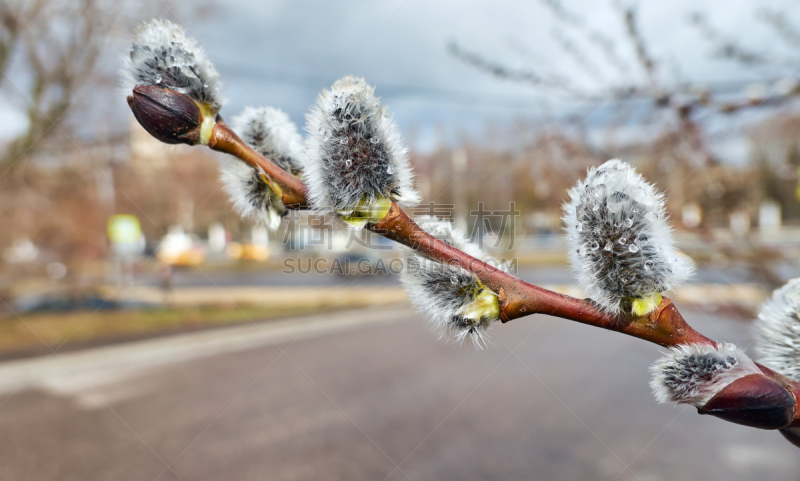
x=250, y=193
x=272, y=134
x=620, y=242
x=454, y=301
x=162, y=55
x=356, y=161
x=778, y=331
x=693, y=374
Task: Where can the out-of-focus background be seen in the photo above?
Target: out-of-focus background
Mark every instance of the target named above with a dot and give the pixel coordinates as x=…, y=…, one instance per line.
x=146, y=333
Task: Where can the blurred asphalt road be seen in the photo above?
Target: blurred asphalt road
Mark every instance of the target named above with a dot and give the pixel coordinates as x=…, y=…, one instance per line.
x=370, y=395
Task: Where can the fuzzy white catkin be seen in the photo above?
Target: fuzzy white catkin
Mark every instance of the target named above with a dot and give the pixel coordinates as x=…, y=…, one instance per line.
x=441, y=292
x=251, y=196
x=354, y=151
x=778, y=331
x=272, y=134
x=620, y=242
x=693, y=374
x=163, y=56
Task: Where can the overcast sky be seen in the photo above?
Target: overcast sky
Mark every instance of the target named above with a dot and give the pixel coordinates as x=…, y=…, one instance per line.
x=281, y=52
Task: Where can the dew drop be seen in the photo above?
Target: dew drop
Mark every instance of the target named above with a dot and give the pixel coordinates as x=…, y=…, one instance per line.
x=623, y=240
x=629, y=222
x=596, y=208
x=617, y=224
x=608, y=246
x=595, y=246
x=648, y=265
x=389, y=170
x=579, y=227
x=343, y=140
x=633, y=248
x=158, y=78
x=374, y=140
x=348, y=163
x=205, y=86
x=454, y=280
x=635, y=211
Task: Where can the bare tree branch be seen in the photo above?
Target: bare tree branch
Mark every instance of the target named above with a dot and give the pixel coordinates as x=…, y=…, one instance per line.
x=785, y=30
x=58, y=62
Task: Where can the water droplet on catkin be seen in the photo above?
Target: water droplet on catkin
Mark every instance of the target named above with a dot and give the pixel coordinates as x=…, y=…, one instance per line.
x=648, y=265
x=633, y=248
x=608, y=246
x=629, y=222
x=579, y=227
x=454, y=280
x=623, y=240
x=595, y=246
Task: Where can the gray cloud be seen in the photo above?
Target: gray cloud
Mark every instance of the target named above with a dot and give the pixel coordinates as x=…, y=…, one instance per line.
x=281, y=52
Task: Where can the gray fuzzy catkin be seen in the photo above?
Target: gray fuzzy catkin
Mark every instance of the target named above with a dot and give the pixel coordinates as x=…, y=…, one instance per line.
x=251, y=196
x=778, y=331
x=620, y=242
x=163, y=56
x=272, y=134
x=440, y=292
x=693, y=374
x=354, y=151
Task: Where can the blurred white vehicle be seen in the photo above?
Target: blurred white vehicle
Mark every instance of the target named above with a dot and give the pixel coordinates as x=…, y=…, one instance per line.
x=180, y=249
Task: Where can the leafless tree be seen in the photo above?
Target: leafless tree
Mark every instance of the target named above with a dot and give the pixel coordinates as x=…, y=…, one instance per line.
x=677, y=107
x=48, y=51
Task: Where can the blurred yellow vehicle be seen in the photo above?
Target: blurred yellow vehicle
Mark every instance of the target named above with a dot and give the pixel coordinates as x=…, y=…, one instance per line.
x=247, y=251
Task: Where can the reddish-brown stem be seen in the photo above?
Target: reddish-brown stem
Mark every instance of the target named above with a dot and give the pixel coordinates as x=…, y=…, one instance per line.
x=665, y=326
x=224, y=139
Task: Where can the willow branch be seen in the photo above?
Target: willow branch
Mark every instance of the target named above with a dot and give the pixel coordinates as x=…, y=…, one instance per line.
x=293, y=192
x=664, y=326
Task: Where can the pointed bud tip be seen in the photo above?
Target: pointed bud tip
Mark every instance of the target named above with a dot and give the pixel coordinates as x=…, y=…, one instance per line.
x=753, y=400
x=167, y=115
x=792, y=434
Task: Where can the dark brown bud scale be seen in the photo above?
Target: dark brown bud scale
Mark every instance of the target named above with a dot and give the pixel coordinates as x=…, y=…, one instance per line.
x=753, y=400
x=167, y=115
